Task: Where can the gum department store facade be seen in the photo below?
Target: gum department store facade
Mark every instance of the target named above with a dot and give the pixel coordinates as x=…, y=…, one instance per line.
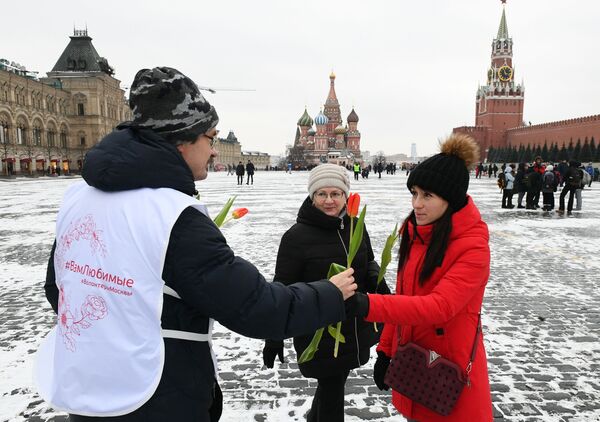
x=53, y=121
x=499, y=108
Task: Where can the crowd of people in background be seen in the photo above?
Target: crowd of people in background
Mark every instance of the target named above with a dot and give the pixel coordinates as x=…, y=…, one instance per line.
x=530, y=181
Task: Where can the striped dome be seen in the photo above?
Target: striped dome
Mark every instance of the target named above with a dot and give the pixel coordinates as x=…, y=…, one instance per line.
x=305, y=119
x=340, y=130
x=321, y=119
x=311, y=132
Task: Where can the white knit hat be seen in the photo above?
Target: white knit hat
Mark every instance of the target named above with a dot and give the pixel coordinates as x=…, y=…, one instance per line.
x=328, y=176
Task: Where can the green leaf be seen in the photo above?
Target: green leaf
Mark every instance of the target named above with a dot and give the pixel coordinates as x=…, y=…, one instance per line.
x=386, y=254
x=335, y=269
x=357, y=236
x=336, y=334
x=220, y=218
x=309, y=352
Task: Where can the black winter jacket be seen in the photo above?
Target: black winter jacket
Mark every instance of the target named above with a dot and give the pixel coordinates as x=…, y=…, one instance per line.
x=203, y=270
x=306, y=251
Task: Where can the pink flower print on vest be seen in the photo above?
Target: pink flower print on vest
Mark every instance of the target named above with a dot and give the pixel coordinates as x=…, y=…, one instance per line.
x=80, y=229
x=93, y=309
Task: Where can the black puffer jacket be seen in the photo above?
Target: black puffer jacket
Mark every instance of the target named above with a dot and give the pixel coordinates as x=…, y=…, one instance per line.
x=211, y=280
x=306, y=251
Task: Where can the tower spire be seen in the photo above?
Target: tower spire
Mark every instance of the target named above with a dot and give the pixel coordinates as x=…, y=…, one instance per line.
x=503, y=28
x=332, y=97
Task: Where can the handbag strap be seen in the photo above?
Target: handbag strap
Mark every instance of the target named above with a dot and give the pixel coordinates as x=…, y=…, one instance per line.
x=474, y=348
x=478, y=330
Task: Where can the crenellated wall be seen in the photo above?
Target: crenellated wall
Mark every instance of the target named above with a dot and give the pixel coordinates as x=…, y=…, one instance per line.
x=559, y=132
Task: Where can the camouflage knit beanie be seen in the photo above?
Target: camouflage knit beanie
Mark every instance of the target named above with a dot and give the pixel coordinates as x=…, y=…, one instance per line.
x=169, y=103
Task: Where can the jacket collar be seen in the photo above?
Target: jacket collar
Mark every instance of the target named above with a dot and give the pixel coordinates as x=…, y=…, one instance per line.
x=130, y=158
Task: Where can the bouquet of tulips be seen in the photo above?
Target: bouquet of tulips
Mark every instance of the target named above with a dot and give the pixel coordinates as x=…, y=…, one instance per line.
x=356, y=236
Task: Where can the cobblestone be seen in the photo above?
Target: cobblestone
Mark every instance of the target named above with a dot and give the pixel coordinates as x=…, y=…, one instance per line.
x=541, y=311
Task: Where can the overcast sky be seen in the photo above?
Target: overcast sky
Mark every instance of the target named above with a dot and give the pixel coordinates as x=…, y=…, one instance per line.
x=410, y=68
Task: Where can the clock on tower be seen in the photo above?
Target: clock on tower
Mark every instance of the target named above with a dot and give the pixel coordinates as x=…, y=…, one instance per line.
x=505, y=73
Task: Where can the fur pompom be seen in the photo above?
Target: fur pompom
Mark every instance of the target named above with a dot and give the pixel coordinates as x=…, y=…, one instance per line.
x=463, y=146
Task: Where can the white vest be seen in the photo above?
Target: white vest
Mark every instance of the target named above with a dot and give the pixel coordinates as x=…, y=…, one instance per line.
x=105, y=356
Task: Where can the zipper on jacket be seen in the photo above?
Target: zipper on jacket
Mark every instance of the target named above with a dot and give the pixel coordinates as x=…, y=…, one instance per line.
x=342, y=240
x=341, y=223
x=357, y=342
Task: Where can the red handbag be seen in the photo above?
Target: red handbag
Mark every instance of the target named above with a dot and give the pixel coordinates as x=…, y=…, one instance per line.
x=428, y=378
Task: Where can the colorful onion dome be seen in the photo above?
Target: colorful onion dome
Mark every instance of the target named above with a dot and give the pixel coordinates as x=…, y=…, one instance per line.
x=321, y=119
x=352, y=117
x=311, y=132
x=305, y=119
x=332, y=75
x=340, y=130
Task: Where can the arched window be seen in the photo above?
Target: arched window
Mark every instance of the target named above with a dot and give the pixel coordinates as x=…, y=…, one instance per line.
x=80, y=102
x=63, y=137
x=21, y=132
x=4, y=92
x=4, y=130
x=81, y=138
x=51, y=136
x=50, y=103
x=37, y=134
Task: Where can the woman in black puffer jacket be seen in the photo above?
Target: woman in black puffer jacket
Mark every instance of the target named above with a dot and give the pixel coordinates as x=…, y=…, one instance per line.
x=321, y=236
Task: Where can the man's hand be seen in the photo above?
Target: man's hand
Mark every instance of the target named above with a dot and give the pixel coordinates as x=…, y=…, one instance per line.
x=272, y=349
x=345, y=282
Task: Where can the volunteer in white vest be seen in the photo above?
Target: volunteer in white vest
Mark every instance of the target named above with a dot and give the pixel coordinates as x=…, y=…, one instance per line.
x=138, y=272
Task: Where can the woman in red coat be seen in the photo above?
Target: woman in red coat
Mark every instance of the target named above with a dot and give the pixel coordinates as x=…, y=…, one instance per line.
x=444, y=266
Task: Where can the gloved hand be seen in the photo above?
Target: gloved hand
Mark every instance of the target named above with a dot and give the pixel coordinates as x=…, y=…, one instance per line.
x=357, y=305
x=379, y=370
x=272, y=349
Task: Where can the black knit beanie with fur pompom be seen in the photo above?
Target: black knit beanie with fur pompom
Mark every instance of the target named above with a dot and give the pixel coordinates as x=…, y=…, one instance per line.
x=447, y=174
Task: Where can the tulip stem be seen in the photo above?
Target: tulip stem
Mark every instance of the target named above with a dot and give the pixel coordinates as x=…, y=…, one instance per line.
x=348, y=260
x=338, y=328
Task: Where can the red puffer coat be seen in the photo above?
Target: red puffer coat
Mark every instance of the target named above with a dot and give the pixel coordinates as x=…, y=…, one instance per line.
x=442, y=314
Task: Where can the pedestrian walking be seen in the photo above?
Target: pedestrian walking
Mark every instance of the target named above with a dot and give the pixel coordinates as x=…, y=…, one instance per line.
x=139, y=272
x=533, y=182
x=572, y=183
x=590, y=171
x=250, y=172
x=585, y=179
x=507, y=192
x=321, y=236
x=519, y=183
x=549, y=186
x=239, y=172
x=356, y=168
x=443, y=269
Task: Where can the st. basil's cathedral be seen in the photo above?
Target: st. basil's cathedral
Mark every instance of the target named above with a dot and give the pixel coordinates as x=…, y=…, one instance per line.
x=330, y=141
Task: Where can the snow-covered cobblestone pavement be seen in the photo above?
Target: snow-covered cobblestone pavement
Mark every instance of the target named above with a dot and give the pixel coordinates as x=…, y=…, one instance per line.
x=541, y=312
